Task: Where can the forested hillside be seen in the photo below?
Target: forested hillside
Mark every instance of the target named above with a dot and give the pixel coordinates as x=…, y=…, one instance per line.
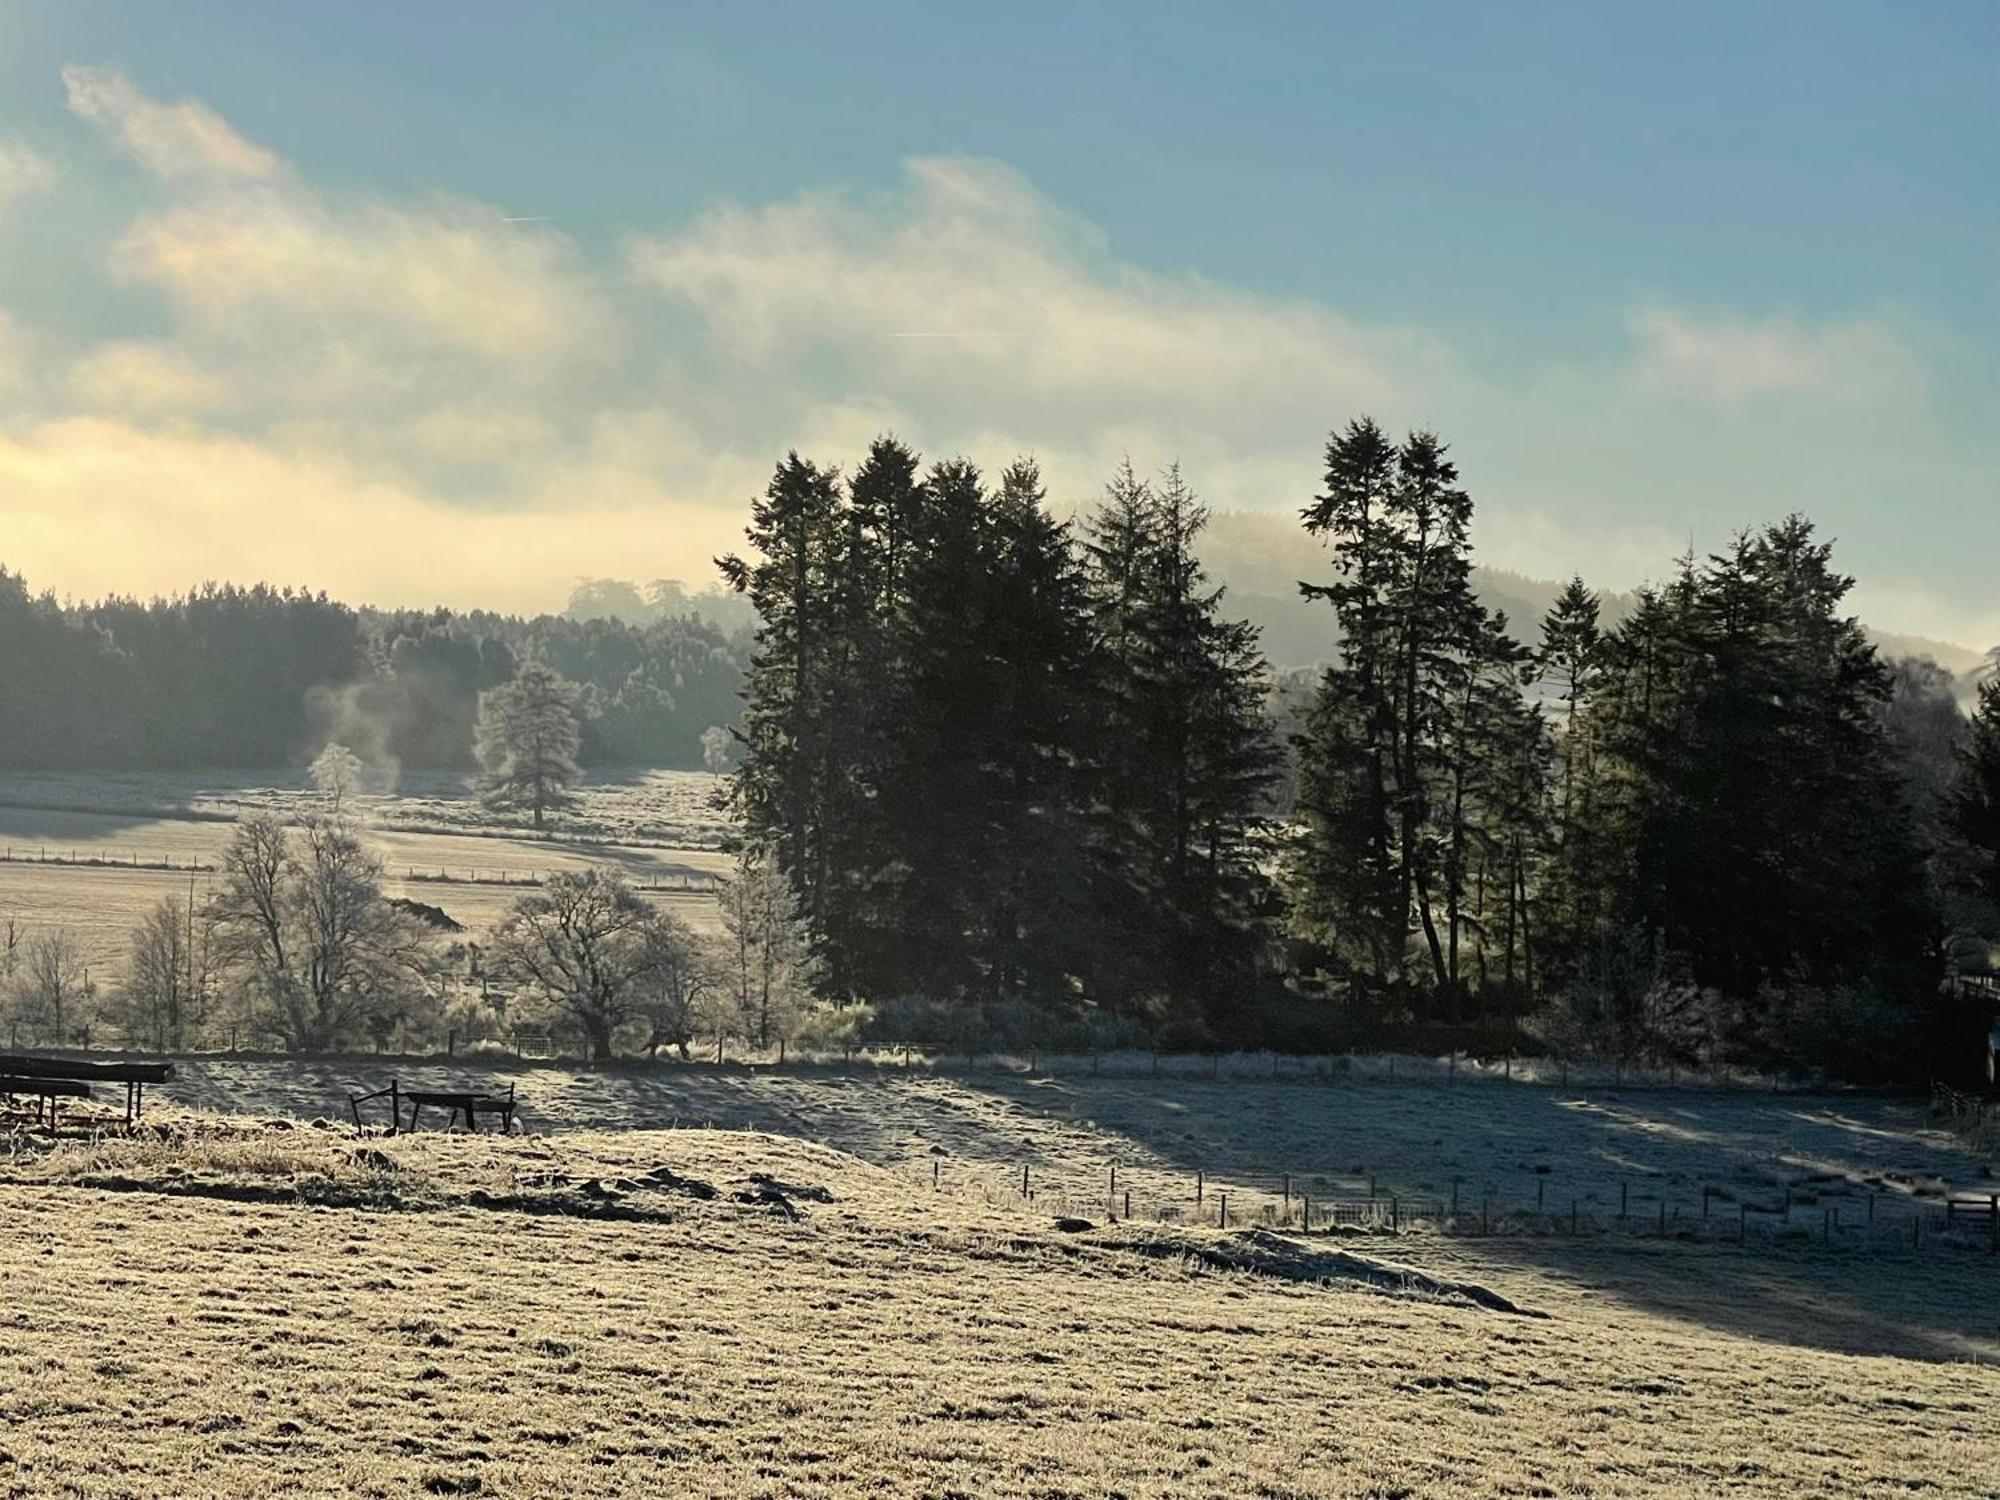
x=262, y=677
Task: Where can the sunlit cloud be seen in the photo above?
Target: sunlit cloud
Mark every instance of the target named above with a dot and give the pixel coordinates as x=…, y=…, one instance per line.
x=426, y=398
x=184, y=139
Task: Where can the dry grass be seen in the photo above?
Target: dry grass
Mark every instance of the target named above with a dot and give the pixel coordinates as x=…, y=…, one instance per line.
x=553, y=1315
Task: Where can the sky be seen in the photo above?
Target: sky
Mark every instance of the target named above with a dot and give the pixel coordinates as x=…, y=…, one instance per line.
x=456, y=303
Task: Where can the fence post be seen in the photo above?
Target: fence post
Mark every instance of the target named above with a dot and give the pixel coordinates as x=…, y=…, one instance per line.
x=1624, y=1200
x=1541, y=1187
x=1024, y=1179
x=1288, y=1195
x=1222, y=1212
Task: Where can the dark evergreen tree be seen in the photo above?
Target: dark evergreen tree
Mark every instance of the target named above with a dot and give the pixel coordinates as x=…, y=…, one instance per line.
x=1188, y=757
x=1342, y=874
x=1415, y=730
x=782, y=789
x=1974, y=805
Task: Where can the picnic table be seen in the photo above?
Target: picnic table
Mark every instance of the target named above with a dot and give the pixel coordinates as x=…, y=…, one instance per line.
x=51, y=1079
x=468, y=1104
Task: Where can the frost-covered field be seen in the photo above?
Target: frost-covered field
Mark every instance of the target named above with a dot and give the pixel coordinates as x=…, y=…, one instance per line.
x=679, y=809
x=248, y=1307
x=93, y=853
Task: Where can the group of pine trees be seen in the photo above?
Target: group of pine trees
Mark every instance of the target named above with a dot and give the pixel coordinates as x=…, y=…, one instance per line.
x=1004, y=757
x=1000, y=760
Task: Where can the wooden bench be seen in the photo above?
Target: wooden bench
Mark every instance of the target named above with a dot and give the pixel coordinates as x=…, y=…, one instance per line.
x=458, y=1103
x=47, y=1091
x=30, y=1074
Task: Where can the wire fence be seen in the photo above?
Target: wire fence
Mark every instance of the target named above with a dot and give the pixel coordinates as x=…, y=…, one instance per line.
x=1803, y=1214
x=106, y=859
x=570, y=1046
x=693, y=881
x=1548, y=1199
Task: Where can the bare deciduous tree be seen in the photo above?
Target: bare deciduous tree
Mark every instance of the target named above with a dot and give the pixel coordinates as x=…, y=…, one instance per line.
x=307, y=937
x=51, y=986
x=604, y=955
x=717, y=744
x=675, y=995
x=170, y=977
x=770, y=958
x=336, y=775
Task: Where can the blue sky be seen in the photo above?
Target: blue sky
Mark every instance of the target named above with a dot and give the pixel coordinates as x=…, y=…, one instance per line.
x=1654, y=271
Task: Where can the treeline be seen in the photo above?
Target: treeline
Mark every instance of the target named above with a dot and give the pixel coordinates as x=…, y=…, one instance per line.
x=1004, y=761
x=261, y=677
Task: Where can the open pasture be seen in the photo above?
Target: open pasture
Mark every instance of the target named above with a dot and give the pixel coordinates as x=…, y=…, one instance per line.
x=232, y=1309
x=676, y=809
x=141, y=827
x=1515, y=1145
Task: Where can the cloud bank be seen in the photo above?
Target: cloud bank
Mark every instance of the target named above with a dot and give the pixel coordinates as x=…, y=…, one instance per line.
x=416, y=400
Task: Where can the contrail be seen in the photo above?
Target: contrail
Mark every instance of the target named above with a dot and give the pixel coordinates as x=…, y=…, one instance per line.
x=528, y=219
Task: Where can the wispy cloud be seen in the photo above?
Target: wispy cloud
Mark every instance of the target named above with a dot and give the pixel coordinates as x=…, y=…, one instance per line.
x=1731, y=361
x=23, y=170
x=183, y=139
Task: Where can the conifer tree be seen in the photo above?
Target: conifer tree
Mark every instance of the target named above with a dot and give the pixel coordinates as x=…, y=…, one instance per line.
x=1188, y=756
x=1974, y=806
x=527, y=739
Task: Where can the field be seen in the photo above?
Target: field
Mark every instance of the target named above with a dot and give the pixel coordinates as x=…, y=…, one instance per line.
x=231, y=1306
x=973, y=1277
x=438, y=846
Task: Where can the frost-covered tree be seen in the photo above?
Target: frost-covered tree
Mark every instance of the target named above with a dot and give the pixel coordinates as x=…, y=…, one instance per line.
x=527, y=739
x=598, y=951
x=169, y=977
x=336, y=775
x=716, y=743
x=770, y=963
x=51, y=989
x=305, y=939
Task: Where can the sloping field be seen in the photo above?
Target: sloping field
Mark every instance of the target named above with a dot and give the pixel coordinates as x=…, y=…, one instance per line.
x=1831, y=1159
x=102, y=903
x=1509, y=1141
x=629, y=806
x=242, y=1311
